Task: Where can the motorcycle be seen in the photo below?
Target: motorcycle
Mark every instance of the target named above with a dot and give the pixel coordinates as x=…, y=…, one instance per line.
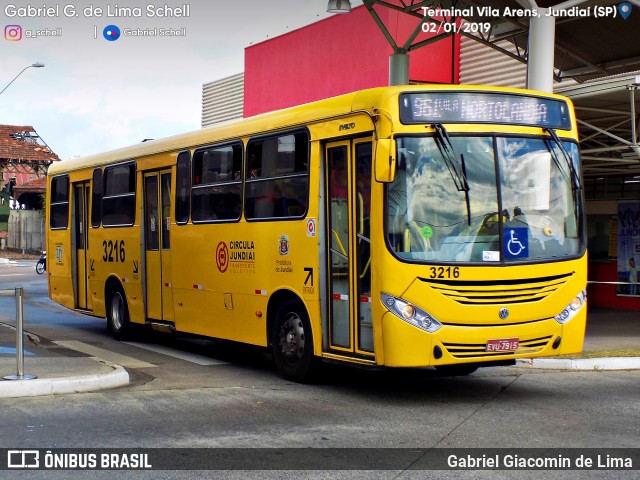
x=41, y=265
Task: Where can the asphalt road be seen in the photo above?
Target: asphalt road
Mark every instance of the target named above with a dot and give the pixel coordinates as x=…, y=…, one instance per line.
x=218, y=395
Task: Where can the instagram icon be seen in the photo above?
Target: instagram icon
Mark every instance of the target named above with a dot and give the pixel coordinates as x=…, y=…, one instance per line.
x=13, y=33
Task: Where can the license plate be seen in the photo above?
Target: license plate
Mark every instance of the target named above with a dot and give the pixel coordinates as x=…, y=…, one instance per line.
x=503, y=345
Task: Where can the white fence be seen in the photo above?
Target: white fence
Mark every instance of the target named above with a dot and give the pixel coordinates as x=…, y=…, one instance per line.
x=26, y=230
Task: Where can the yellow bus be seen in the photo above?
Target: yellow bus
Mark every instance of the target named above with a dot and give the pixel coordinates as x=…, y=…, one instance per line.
x=415, y=226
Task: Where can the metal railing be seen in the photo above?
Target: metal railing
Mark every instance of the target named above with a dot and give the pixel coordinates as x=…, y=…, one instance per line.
x=634, y=287
x=19, y=294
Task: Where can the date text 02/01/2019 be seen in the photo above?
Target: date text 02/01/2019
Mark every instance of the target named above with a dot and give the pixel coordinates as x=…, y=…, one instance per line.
x=454, y=27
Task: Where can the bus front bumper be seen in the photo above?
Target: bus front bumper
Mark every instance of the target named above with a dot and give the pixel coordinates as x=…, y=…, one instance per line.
x=408, y=346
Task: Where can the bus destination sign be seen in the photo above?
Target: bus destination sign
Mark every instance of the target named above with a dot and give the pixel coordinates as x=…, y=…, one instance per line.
x=476, y=107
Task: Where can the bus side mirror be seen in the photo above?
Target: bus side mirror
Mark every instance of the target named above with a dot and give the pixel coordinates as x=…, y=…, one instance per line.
x=385, y=163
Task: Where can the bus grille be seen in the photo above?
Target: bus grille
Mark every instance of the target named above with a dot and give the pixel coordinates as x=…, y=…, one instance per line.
x=503, y=292
x=478, y=350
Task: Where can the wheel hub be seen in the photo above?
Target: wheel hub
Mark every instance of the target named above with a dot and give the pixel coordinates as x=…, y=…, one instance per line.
x=292, y=338
x=116, y=311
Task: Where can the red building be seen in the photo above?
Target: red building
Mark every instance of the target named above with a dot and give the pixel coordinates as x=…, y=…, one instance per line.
x=338, y=55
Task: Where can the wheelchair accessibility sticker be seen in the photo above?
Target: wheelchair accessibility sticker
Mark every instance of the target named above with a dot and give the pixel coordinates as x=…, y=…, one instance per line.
x=516, y=243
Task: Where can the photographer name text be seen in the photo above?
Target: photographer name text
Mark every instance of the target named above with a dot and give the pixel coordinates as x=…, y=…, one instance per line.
x=92, y=11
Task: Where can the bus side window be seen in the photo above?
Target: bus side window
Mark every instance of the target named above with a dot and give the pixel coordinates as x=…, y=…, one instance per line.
x=183, y=187
x=96, y=198
x=119, y=200
x=277, y=181
x=59, y=202
x=217, y=189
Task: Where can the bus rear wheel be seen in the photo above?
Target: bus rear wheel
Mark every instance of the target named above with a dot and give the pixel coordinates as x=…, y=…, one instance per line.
x=118, y=314
x=292, y=342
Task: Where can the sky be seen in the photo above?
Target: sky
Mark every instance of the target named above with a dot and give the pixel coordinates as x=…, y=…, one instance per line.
x=95, y=95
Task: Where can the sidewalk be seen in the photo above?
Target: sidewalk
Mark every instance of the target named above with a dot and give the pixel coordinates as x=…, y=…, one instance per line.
x=608, y=332
x=61, y=370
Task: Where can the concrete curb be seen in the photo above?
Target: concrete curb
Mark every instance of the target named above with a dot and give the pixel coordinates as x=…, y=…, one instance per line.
x=597, y=364
x=117, y=377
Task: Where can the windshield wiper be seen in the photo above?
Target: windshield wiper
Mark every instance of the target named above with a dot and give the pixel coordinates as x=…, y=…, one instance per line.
x=457, y=169
x=575, y=177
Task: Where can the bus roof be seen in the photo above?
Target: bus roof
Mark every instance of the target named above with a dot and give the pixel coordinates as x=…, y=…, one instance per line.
x=363, y=100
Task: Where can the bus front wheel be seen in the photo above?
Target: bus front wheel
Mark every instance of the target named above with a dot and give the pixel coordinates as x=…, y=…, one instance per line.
x=118, y=314
x=292, y=342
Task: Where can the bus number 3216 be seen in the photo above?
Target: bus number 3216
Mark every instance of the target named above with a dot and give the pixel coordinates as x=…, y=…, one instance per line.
x=113, y=251
x=442, y=272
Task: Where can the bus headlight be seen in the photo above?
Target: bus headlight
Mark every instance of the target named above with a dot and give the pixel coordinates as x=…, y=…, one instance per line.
x=410, y=313
x=572, y=309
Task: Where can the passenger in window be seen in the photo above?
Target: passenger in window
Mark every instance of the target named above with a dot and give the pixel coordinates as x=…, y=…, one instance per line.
x=254, y=167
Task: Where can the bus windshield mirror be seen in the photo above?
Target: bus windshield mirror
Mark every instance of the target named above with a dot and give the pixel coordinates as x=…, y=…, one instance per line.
x=575, y=178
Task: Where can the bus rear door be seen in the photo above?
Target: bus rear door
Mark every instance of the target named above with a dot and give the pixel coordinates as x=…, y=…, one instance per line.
x=81, y=192
x=157, y=241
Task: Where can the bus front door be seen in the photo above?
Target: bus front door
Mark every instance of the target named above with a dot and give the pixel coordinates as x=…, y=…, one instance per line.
x=81, y=192
x=157, y=241
x=348, y=193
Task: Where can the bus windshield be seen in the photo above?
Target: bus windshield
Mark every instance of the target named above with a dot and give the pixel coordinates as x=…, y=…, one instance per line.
x=521, y=202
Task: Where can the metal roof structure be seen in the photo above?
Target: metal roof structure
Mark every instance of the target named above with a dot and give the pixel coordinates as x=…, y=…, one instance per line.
x=586, y=46
x=607, y=121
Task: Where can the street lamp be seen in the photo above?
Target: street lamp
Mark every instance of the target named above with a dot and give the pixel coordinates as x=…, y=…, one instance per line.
x=339, y=6
x=34, y=65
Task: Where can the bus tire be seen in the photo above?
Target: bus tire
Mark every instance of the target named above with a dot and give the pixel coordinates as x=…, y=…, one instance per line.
x=118, y=314
x=292, y=342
